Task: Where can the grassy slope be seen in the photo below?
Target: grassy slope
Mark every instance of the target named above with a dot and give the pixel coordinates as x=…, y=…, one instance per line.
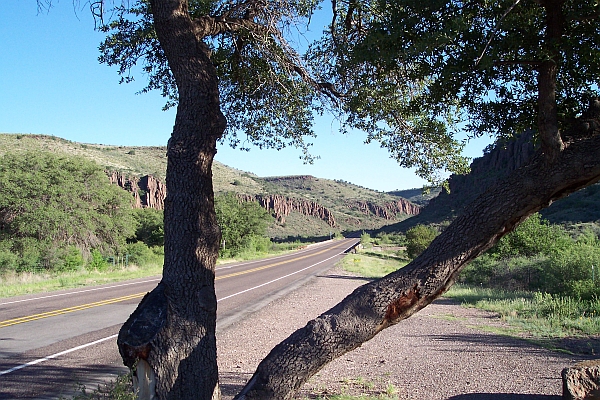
x=140, y=160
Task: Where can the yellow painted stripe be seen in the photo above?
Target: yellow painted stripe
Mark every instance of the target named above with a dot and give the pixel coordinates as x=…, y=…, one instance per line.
x=34, y=317
x=67, y=310
x=269, y=265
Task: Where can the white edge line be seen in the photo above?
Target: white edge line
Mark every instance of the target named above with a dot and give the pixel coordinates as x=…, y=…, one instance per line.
x=293, y=253
x=80, y=291
x=39, y=360
x=275, y=280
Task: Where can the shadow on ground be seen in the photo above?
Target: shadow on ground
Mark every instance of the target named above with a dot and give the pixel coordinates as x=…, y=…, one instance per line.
x=503, y=396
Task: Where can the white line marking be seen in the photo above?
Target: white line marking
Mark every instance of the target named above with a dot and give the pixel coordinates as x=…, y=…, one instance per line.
x=80, y=291
x=39, y=360
x=275, y=280
x=293, y=253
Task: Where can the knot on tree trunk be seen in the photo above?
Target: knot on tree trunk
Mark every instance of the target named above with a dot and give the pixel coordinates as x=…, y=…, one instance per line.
x=137, y=334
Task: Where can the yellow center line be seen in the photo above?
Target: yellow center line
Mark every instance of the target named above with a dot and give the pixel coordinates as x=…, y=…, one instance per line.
x=269, y=265
x=34, y=317
x=67, y=310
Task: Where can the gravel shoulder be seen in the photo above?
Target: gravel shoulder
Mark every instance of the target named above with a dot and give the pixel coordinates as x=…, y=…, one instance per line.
x=442, y=352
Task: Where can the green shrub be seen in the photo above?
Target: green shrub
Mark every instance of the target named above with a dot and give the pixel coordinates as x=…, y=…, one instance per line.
x=150, y=226
x=97, y=261
x=418, y=238
x=140, y=254
x=365, y=239
x=73, y=258
x=8, y=261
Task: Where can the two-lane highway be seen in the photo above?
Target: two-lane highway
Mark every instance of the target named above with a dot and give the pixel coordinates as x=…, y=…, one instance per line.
x=51, y=342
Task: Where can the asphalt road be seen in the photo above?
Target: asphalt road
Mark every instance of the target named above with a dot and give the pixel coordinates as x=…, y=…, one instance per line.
x=52, y=343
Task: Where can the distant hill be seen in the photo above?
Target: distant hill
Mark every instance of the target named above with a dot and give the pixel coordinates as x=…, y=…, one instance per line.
x=580, y=208
x=305, y=206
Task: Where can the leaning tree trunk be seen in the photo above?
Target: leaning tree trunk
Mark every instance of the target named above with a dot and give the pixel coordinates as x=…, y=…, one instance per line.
x=380, y=304
x=170, y=338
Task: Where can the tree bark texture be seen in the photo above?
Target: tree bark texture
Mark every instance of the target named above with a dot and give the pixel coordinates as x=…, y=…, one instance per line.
x=173, y=329
x=382, y=303
x=550, y=138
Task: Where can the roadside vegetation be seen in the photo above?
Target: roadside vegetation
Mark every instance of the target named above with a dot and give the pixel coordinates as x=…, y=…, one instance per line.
x=542, y=279
x=63, y=225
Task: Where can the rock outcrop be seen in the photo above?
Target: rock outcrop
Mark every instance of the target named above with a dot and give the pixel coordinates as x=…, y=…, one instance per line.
x=147, y=191
x=281, y=206
x=388, y=211
x=497, y=162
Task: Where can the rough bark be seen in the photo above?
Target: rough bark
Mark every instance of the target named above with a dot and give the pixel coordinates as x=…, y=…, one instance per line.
x=173, y=329
x=550, y=138
x=385, y=302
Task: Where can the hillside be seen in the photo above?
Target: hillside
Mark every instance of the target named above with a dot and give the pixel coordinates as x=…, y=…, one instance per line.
x=304, y=206
x=581, y=208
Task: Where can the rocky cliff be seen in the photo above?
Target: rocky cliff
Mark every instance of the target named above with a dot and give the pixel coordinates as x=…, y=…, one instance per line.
x=497, y=162
x=147, y=191
x=150, y=192
x=388, y=211
x=281, y=207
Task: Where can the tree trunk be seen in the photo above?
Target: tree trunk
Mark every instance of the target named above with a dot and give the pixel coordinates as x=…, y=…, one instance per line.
x=550, y=139
x=380, y=304
x=173, y=329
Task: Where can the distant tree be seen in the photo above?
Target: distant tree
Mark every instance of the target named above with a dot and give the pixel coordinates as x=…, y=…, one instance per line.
x=240, y=222
x=50, y=201
x=534, y=237
x=150, y=226
x=418, y=238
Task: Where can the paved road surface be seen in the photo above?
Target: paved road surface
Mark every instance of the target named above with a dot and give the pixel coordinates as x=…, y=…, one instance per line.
x=51, y=342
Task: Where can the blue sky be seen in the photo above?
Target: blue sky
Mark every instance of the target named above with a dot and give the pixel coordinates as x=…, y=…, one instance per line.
x=51, y=83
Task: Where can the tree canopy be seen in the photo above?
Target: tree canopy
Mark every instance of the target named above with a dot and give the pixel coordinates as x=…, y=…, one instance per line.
x=58, y=201
x=240, y=222
x=424, y=70
x=267, y=95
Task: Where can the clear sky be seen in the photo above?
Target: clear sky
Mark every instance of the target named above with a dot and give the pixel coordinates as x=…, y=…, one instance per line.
x=51, y=83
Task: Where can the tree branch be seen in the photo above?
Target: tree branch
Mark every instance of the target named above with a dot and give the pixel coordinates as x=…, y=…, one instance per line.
x=385, y=302
x=518, y=62
x=216, y=25
x=494, y=31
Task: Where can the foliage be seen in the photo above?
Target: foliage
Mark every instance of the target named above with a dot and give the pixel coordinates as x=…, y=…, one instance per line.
x=53, y=209
x=121, y=388
x=415, y=73
x=540, y=256
x=140, y=254
x=365, y=239
x=538, y=314
x=535, y=236
x=243, y=224
x=418, y=238
x=97, y=261
x=150, y=226
x=263, y=97
x=383, y=238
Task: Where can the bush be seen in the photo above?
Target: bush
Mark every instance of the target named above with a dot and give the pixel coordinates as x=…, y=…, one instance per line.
x=140, y=254
x=365, y=239
x=97, y=261
x=150, y=226
x=72, y=258
x=418, y=238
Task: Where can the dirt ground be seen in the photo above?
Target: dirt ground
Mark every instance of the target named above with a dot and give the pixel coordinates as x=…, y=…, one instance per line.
x=443, y=352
